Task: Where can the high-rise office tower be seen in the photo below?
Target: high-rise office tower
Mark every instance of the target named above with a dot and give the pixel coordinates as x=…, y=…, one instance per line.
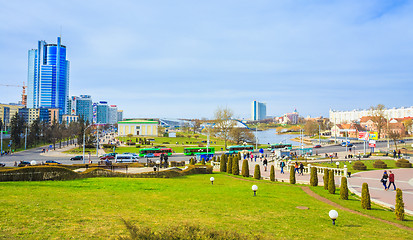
x=258, y=111
x=102, y=112
x=48, y=77
x=82, y=107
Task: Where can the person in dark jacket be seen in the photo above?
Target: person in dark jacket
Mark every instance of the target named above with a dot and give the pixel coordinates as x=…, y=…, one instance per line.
x=384, y=179
x=391, y=180
x=301, y=168
x=265, y=162
x=282, y=165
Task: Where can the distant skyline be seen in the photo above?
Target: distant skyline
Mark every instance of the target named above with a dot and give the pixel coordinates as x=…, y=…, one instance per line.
x=186, y=58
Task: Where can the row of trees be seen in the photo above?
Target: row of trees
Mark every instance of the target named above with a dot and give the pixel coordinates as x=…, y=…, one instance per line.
x=40, y=132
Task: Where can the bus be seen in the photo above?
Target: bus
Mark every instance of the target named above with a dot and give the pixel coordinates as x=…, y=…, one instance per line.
x=280, y=146
x=198, y=150
x=240, y=148
x=155, y=151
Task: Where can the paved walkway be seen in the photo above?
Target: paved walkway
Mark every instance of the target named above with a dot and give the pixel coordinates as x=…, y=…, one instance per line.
x=403, y=180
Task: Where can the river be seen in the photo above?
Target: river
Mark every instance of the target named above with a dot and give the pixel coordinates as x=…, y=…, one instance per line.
x=270, y=136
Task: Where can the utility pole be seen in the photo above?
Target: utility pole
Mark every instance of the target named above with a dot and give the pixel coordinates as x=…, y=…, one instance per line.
x=25, y=140
x=97, y=140
x=319, y=133
x=256, y=137
x=1, y=137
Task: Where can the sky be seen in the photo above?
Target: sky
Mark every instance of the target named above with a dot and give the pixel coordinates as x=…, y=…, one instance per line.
x=185, y=58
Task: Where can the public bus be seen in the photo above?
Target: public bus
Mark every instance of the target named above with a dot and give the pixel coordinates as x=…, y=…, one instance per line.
x=198, y=150
x=155, y=151
x=240, y=148
x=280, y=146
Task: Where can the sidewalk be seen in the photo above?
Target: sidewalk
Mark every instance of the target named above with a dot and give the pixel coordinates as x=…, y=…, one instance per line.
x=59, y=152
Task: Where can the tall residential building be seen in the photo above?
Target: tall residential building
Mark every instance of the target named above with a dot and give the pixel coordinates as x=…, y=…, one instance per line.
x=102, y=112
x=112, y=114
x=120, y=115
x=82, y=106
x=48, y=77
x=258, y=111
x=7, y=111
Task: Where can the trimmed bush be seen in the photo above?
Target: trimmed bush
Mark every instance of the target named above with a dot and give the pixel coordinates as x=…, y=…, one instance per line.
x=358, y=165
x=272, y=173
x=257, y=172
x=203, y=162
x=245, y=169
x=365, y=197
x=313, y=177
x=403, y=163
x=37, y=173
x=399, y=208
x=191, y=161
x=344, y=189
x=379, y=164
x=325, y=179
x=331, y=183
x=292, y=175
x=223, y=164
x=229, y=165
x=108, y=146
x=235, y=166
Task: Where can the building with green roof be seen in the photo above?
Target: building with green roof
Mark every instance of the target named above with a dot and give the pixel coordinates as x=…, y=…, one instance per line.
x=138, y=127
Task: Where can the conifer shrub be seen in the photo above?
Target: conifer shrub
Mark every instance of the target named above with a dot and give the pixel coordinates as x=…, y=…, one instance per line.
x=245, y=169
x=325, y=179
x=313, y=177
x=229, y=165
x=344, y=189
x=223, y=165
x=257, y=172
x=359, y=165
x=399, y=208
x=365, y=197
x=331, y=183
x=203, y=161
x=403, y=163
x=235, y=166
x=292, y=175
x=379, y=164
x=272, y=173
x=192, y=161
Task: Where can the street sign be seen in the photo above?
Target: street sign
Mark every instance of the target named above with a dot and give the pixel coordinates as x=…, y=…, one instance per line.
x=373, y=136
x=372, y=143
x=363, y=136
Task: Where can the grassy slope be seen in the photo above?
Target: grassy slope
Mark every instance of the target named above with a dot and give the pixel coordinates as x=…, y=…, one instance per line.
x=92, y=208
x=369, y=163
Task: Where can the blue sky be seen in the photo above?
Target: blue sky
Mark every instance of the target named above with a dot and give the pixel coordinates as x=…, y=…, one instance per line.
x=186, y=58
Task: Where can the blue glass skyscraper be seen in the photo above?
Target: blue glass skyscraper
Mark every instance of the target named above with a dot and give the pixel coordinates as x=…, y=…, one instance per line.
x=48, y=77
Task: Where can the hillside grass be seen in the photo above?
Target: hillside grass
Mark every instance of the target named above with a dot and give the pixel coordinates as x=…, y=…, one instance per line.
x=93, y=209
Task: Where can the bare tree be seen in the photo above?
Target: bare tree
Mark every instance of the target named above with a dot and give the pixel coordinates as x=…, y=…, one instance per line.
x=378, y=117
x=223, y=123
x=408, y=125
x=311, y=128
x=241, y=135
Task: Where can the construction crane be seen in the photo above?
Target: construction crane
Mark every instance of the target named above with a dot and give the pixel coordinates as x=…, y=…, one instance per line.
x=24, y=96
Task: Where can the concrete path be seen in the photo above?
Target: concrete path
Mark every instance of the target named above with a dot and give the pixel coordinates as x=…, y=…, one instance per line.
x=403, y=180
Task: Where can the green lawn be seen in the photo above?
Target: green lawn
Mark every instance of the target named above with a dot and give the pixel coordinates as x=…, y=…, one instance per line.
x=369, y=164
x=93, y=208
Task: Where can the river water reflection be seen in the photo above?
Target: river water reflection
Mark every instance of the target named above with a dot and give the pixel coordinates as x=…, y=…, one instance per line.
x=270, y=136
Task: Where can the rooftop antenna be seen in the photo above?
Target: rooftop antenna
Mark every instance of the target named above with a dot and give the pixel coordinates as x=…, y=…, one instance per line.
x=60, y=31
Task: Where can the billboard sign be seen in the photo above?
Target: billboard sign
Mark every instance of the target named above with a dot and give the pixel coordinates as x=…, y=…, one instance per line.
x=73, y=106
x=373, y=136
x=372, y=143
x=363, y=136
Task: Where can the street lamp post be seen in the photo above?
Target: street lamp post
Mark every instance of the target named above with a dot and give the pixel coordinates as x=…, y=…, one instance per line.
x=1, y=137
x=25, y=140
x=319, y=134
x=84, y=136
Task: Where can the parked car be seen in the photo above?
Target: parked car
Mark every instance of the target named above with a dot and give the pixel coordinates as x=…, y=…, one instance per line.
x=402, y=141
x=52, y=162
x=317, y=146
x=106, y=157
x=2, y=165
x=149, y=155
x=343, y=144
x=76, y=158
x=23, y=164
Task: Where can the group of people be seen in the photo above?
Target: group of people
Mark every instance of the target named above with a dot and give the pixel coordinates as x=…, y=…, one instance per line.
x=397, y=154
x=390, y=177
x=8, y=152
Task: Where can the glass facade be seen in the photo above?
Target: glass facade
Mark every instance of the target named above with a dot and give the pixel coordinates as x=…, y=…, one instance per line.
x=258, y=111
x=48, y=77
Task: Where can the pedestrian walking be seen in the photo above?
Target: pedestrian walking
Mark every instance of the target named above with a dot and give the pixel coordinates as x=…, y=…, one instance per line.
x=384, y=179
x=399, y=153
x=301, y=168
x=391, y=180
x=296, y=167
x=282, y=165
x=394, y=153
x=265, y=164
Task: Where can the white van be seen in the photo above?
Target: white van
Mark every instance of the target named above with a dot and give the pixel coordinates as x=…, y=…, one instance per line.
x=125, y=158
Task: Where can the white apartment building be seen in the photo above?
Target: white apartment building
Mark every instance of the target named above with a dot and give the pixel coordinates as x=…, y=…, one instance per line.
x=339, y=117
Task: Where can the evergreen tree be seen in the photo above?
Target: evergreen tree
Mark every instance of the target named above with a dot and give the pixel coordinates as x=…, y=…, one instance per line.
x=257, y=172
x=223, y=164
x=313, y=177
x=203, y=161
x=292, y=175
x=325, y=179
x=272, y=173
x=331, y=183
x=235, y=166
x=344, y=189
x=399, y=208
x=365, y=197
x=16, y=130
x=245, y=169
x=229, y=164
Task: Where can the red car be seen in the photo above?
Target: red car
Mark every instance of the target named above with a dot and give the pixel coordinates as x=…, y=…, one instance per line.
x=317, y=146
x=107, y=157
